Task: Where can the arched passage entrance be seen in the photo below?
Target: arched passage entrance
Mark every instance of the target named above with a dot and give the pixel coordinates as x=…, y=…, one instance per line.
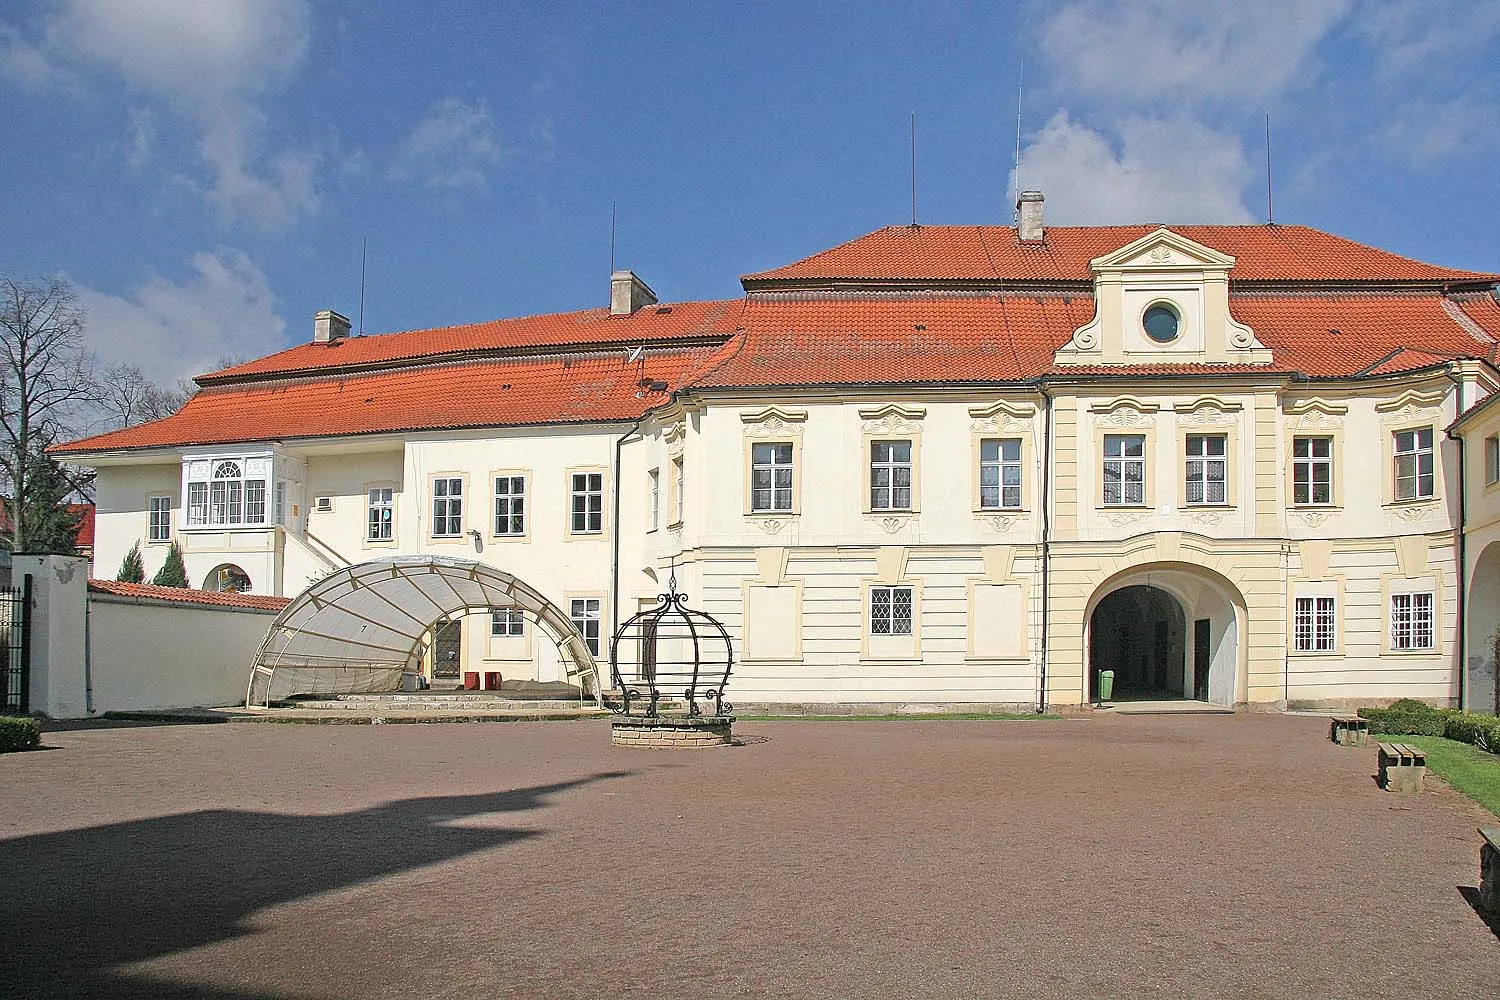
x=360, y=628
x=1483, y=626
x=1167, y=630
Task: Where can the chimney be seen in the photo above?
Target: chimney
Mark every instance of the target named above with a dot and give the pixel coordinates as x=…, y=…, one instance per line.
x=329, y=327
x=627, y=293
x=1029, y=217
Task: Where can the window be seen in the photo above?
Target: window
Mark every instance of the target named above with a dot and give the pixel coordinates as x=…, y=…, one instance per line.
x=507, y=621
x=227, y=491
x=679, y=483
x=771, y=477
x=159, y=519
x=1414, y=464
x=1124, y=469
x=585, y=615
x=588, y=503
x=510, y=505
x=1205, y=468
x=1313, y=625
x=890, y=475
x=447, y=507
x=1491, y=460
x=890, y=611
x=280, y=502
x=381, y=515
x=1411, y=621
x=653, y=479
x=1312, y=470
x=999, y=473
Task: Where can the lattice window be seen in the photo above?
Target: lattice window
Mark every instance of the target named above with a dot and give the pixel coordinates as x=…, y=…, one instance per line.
x=1314, y=625
x=1206, y=468
x=890, y=611
x=1124, y=469
x=1411, y=621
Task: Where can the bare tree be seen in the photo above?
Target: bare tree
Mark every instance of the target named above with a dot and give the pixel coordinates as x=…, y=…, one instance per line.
x=128, y=396
x=46, y=380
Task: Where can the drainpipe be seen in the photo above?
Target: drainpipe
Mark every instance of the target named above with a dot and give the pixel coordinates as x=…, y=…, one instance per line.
x=614, y=567
x=1041, y=696
x=1463, y=551
x=88, y=653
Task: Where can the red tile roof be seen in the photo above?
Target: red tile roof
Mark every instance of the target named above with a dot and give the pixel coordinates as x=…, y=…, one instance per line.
x=85, y=513
x=588, y=328
x=993, y=253
x=549, y=390
x=904, y=338
x=183, y=595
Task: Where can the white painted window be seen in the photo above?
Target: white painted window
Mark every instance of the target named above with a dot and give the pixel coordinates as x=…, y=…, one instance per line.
x=1491, y=460
x=999, y=473
x=653, y=479
x=382, y=512
x=227, y=491
x=890, y=475
x=1124, y=469
x=280, y=502
x=447, y=507
x=1411, y=621
x=1314, y=625
x=584, y=612
x=890, y=611
x=1206, y=466
x=588, y=503
x=679, y=487
x=510, y=505
x=507, y=622
x=1312, y=470
x=1414, y=464
x=159, y=515
x=771, y=476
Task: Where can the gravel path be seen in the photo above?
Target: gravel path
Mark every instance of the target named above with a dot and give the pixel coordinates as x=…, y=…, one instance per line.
x=1240, y=856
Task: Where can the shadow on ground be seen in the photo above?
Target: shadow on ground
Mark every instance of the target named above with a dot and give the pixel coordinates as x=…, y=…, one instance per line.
x=77, y=906
x=1471, y=896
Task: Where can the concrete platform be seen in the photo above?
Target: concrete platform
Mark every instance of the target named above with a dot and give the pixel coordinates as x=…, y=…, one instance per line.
x=1175, y=706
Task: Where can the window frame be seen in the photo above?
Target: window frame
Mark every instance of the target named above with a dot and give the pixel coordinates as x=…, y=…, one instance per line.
x=1311, y=463
x=892, y=466
x=773, y=467
x=1492, y=460
x=513, y=626
x=676, y=490
x=199, y=493
x=890, y=591
x=1431, y=451
x=603, y=493
x=1394, y=642
x=448, y=478
x=1143, y=460
x=597, y=620
x=165, y=510
x=1315, y=642
x=510, y=476
x=370, y=507
x=653, y=498
x=1000, y=464
x=1224, y=460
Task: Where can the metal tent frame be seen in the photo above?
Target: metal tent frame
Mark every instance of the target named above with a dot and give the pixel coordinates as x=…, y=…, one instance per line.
x=361, y=627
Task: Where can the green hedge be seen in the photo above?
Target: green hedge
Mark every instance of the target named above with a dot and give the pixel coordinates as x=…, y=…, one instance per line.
x=19, y=733
x=1416, y=718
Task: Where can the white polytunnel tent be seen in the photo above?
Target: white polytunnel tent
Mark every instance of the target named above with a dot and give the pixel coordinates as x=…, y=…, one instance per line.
x=360, y=628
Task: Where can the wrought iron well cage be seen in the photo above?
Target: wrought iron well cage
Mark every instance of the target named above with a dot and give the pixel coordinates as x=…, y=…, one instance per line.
x=668, y=651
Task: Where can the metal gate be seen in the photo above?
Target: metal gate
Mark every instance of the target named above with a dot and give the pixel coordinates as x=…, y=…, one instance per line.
x=15, y=649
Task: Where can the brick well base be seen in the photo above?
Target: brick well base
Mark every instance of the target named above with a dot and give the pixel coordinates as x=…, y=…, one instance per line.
x=672, y=731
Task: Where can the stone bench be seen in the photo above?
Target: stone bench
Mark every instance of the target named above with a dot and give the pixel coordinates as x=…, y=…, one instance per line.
x=1489, y=870
x=1401, y=767
x=1349, y=730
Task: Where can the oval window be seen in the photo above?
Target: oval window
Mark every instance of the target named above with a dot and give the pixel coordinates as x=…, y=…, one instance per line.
x=1161, y=322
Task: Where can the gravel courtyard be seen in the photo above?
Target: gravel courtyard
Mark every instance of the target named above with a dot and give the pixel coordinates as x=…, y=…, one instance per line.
x=1182, y=856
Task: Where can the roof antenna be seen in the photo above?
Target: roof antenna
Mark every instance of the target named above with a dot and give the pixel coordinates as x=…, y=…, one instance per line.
x=611, y=236
x=363, y=246
x=1020, y=80
x=1270, y=216
x=914, y=169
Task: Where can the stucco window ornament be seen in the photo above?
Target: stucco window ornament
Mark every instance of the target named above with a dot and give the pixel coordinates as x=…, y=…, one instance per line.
x=889, y=523
x=1313, y=518
x=1124, y=412
x=1121, y=518
x=770, y=525
x=1207, y=517
x=671, y=651
x=1418, y=513
x=1001, y=522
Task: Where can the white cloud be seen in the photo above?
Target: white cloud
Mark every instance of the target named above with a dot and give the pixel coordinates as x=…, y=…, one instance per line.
x=1155, y=170
x=26, y=64
x=142, y=137
x=1426, y=36
x=178, y=329
x=211, y=62
x=453, y=146
x=1186, y=51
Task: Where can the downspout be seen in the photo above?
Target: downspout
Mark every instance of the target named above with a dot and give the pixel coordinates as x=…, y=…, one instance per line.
x=614, y=567
x=88, y=654
x=1463, y=550
x=1041, y=697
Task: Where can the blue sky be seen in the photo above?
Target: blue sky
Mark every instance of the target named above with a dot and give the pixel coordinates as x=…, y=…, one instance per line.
x=204, y=172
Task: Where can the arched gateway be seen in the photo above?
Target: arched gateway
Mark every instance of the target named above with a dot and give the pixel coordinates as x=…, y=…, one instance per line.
x=360, y=628
x=1168, y=630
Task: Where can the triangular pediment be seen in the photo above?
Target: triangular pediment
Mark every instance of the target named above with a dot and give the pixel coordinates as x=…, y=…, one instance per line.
x=1162, y=250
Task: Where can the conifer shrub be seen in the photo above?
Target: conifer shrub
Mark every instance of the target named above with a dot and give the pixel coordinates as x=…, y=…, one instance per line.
x=172, y=573
x=132, y=568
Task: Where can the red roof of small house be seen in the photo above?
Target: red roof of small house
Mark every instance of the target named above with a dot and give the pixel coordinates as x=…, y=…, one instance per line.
x=589, y=328
x=85, y=515
x=184, y=595
x=994, y=253
x=496, y=393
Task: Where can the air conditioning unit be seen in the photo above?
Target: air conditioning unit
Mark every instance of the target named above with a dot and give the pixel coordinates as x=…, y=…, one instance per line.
x=323, y=505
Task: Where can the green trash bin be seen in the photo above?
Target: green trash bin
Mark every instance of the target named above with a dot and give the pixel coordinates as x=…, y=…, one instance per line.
x=1106, y=685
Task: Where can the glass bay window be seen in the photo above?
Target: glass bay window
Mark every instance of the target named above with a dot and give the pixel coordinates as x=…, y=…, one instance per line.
x=227, y=491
